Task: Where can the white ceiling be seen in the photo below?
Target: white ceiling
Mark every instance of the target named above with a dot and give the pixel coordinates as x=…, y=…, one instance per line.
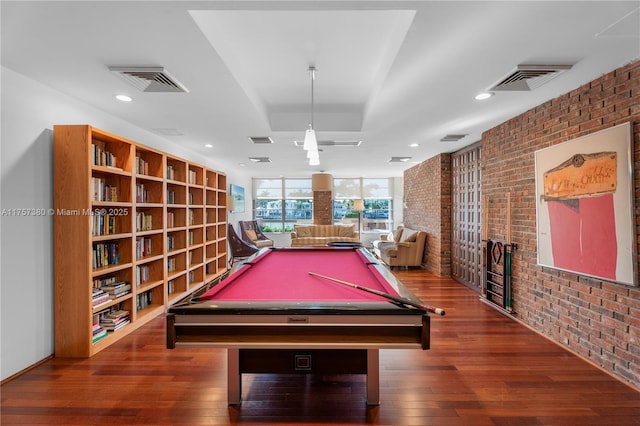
x=389, y=73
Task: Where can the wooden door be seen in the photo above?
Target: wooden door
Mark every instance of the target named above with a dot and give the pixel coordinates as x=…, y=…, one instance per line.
x=466, y=248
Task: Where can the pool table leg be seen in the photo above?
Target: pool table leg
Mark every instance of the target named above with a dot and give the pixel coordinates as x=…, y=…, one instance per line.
x=234, y=379
x=373, y=377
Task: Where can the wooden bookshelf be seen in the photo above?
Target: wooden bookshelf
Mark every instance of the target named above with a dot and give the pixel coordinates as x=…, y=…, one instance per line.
x=141, y=226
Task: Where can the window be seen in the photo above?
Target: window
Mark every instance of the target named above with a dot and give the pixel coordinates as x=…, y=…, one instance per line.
x=377, y=195
x=279, y=203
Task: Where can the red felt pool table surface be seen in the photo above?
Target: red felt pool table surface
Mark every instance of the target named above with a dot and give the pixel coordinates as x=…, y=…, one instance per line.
x=283, y=275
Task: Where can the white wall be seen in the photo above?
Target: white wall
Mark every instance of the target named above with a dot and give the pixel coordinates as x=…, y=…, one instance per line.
x=28, y=112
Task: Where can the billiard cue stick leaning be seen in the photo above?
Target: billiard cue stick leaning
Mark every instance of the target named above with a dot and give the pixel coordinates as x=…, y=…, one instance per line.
x=383, y=294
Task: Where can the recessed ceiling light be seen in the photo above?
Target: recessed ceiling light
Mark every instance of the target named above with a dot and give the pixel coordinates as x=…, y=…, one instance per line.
x=484, y=95
x=124, y=98
x=208, y=145
x=414, y=145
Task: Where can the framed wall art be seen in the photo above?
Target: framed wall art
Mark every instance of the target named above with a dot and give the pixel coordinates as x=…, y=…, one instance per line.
x=237, y=197
x=585, y=206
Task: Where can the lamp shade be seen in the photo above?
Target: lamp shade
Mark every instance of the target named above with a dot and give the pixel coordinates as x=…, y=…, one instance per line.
x=310, y=142
x=358, y=205
x=322, y=182
x=314, y=158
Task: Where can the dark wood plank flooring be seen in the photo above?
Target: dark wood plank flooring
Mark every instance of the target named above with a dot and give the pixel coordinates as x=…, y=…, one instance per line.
x=483, y=369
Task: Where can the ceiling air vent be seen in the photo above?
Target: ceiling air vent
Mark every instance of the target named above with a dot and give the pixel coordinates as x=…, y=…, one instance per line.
x=332, y=143
x=399, y=159
x=149, y=79
x=168, y=132
x=452, y=138
x=259, y=140
x=529, y=77
x=260, y=159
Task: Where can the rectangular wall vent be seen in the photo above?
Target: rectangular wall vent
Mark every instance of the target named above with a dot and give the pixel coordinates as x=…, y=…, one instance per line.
x=149, y=79
x=529, y=77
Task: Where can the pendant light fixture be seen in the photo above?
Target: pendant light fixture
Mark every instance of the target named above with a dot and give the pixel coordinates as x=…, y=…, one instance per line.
x=310, y=141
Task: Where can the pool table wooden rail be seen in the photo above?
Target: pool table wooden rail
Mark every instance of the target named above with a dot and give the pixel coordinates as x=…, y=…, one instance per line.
x=183, y=330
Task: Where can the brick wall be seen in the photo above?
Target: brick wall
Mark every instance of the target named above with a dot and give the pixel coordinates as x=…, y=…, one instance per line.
x=322, y=208
x=427, y=197
x=596, y=319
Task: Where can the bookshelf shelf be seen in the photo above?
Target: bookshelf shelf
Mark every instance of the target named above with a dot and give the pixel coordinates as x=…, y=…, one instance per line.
x=132, y=237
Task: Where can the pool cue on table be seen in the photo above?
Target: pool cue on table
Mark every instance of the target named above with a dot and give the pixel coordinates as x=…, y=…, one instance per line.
x=383, y=294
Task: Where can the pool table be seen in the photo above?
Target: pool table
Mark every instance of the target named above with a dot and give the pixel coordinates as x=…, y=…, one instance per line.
x=273, y=316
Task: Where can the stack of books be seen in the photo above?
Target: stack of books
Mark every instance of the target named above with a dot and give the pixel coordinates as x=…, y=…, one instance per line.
x=114, y=320
x=99, y=298
x=116, y=290
x=99, y=333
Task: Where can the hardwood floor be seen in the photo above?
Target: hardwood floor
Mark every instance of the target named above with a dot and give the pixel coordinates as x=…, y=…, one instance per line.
x=482, y=369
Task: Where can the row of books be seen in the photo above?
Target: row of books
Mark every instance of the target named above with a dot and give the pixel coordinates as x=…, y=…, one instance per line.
x=102, y=157
x=171, y=242
x=143, y=300
x=171, y=264
x=171, y=172
x=192, y=176
x=142, y=194
x=103, y=191
x=143, y=247
x=103, y=224
x=142, y=167
x=105, y=254
x=171, y=197
x=144, y=222
x=142, y=274
x=99, y=282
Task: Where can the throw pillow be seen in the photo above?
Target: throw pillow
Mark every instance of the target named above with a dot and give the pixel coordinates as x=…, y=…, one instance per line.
x=251, y=234
x=391, y=237
x=397, y=234
x=303, y=231
x=412, y=238
x=346, y=231
x=407, y=234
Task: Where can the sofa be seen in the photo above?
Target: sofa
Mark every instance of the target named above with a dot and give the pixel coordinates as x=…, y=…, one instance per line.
x=403, y=247
x=321, y=235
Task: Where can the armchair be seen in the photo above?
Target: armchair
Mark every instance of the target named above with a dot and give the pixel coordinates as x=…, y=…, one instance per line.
x=252, y=234
x=239, y=249
x=405, y=247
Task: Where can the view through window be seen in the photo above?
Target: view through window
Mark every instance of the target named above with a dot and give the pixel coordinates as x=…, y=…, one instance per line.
x=279, y=203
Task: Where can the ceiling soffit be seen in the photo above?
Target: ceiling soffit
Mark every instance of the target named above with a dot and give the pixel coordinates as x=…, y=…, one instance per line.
x=269, y=53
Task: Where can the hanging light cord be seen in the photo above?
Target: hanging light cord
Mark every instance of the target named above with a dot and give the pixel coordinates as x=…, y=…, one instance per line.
x=312, y=71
